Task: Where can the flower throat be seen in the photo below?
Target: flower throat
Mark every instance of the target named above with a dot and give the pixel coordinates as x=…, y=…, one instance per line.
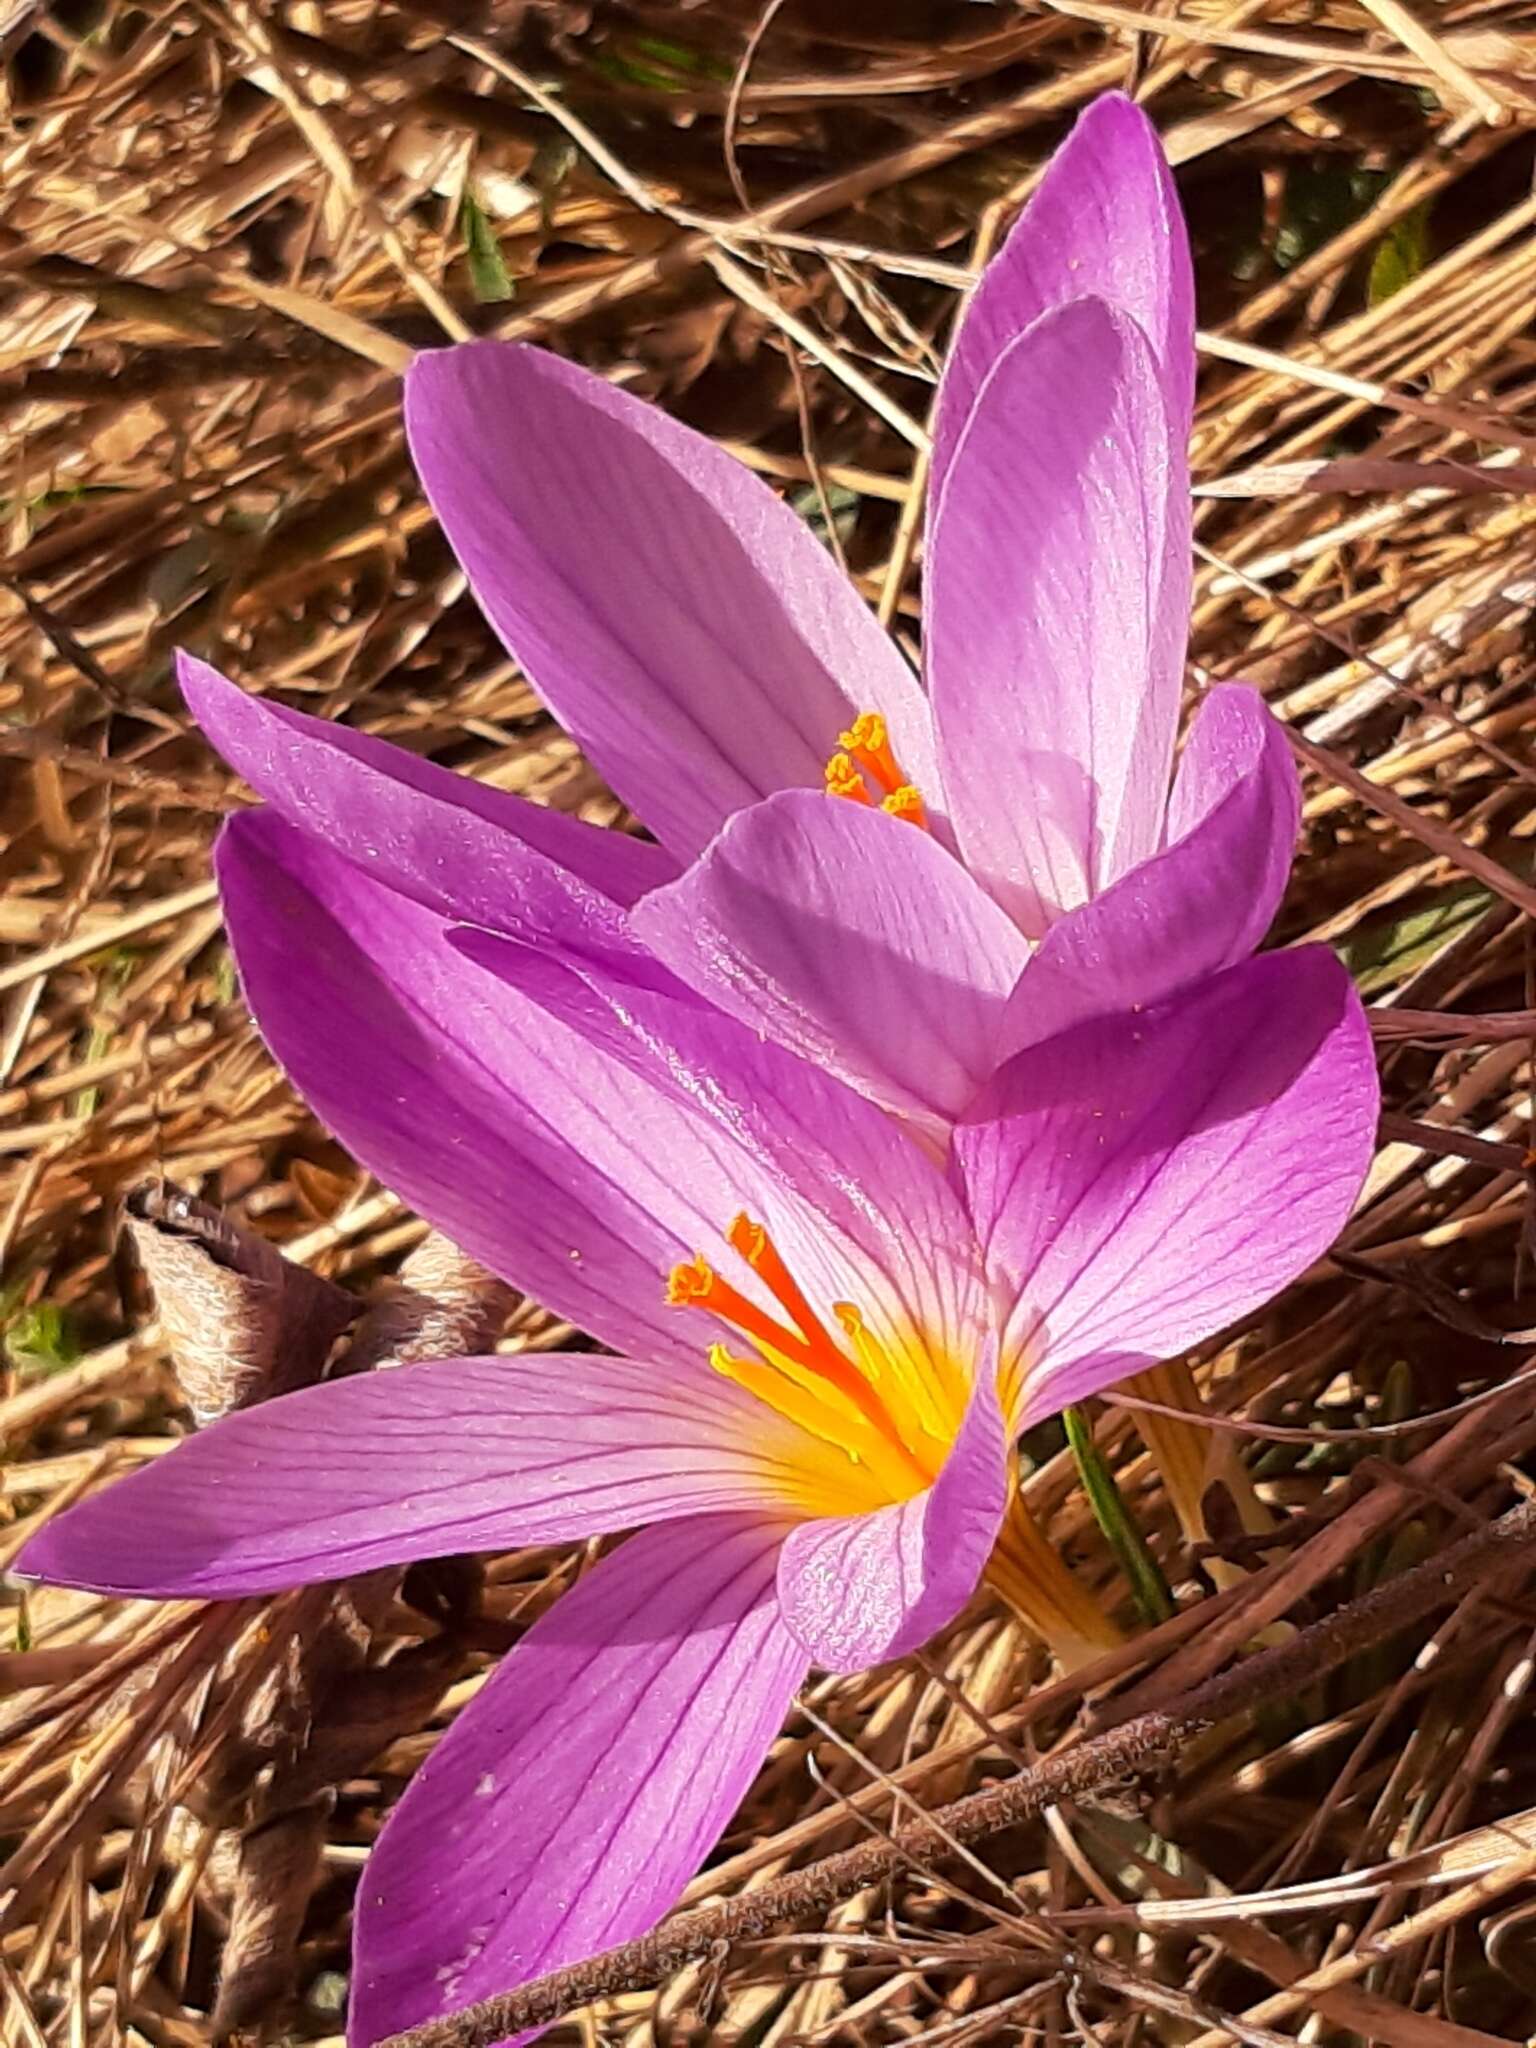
x=889, y=1408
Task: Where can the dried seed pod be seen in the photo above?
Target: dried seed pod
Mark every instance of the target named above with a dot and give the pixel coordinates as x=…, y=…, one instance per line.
x=242, y=1322
x=443, y=1305
x=278, y=1866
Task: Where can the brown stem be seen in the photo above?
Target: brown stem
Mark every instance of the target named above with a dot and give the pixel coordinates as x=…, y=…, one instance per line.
x=1114, y=1754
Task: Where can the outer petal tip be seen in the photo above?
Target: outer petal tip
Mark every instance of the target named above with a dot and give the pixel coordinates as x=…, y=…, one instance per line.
x=1116, y=113
x=1105, y=222
x=206, y=693
x=442, y=376
x=30, y=1566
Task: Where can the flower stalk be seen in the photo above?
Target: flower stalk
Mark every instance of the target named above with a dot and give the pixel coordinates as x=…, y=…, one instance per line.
x=1028, y=1571
x=1191, y=1457
x=1148, y=1586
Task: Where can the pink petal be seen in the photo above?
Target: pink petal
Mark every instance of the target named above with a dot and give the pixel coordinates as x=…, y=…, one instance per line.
x=556, y=1167
x=1202, y=904
x=457, y=846
x=851, y=938
x=858, y=1589
x=680, y=621
x=574, y=1798
x=1105, y=223
x=859, y=1212
x=1057, y=612
x=1141, y=1182
x=577, y=1132
x=453, y=1455
x=1236, y=741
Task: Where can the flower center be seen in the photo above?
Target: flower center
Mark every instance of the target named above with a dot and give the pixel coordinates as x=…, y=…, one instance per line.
x=891, y=1409
x=876, y=1415
x=866, y=764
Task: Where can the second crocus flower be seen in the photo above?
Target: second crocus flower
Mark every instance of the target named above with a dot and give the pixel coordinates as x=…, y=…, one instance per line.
x=929, y=838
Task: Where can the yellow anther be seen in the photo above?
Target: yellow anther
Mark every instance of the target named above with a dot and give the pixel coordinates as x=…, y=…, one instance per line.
x=747, y=1237
x=868, y=741
x=690, y=1283
x=844, y=779
x=907, y=804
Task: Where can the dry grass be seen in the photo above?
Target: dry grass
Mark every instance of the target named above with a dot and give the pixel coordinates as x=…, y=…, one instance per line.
x=224, y=228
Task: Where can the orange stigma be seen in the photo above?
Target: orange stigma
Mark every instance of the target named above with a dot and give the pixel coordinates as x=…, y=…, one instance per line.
x=866, y=762
x=855, y=1393
x=696, y=1284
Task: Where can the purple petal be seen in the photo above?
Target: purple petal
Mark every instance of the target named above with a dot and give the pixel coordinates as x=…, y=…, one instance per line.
x=851, y=938
x=1140, y=1182
x=857, y=1589
x=858, y=1210
x=580, y=1134
x=571, y=1802
x=680, y=621
x=453, y=1455
x=557, y=1168
x=1105, y=223
x=447, y=842
x=1201, y=905
x=1057, y=612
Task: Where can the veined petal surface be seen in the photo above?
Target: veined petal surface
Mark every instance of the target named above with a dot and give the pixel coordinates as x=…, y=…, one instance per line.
x=1058, y=605
x=851, y=938
x=683, y=623
x=554, y=1165
x=574, y=1798
x=450, y=1455
x=858, y=1210
x=1141, y=1181
x=1202, y=904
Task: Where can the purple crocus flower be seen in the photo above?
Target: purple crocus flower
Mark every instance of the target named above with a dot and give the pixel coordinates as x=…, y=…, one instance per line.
x=1012, y=809
x=826, y=1342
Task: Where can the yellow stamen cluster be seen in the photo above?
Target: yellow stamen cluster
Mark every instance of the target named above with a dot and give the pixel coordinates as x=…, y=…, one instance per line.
x=876, y=1415
x=866, y=762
